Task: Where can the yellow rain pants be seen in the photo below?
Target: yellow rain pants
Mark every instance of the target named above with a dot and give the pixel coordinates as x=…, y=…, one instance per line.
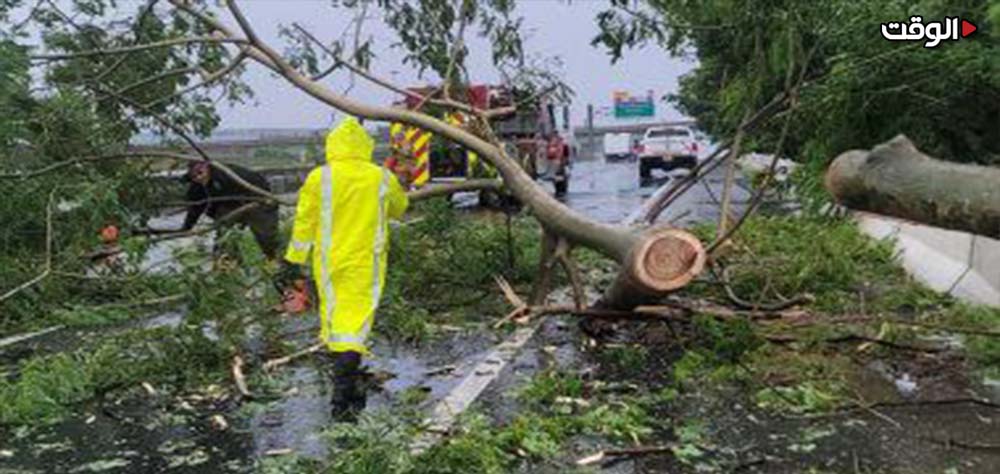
x=342, y=219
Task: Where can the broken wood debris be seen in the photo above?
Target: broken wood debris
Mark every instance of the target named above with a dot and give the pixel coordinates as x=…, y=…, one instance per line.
x=278, y=452
x=280, y=361
x=219, y=422
x=31, y=335
x=638, y=451
x=573, y=401
x=241, y=382
x=521, y=309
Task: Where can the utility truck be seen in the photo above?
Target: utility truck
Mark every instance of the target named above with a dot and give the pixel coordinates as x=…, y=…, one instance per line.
x=529, y=134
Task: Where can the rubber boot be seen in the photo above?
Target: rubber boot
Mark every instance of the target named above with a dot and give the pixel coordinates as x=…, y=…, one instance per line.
x=348, y=399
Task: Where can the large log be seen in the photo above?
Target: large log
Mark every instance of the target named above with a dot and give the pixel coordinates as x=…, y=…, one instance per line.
x=896, y=179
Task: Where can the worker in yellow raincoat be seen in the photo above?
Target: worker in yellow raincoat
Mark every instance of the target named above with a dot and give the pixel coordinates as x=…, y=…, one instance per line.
x=342, y=221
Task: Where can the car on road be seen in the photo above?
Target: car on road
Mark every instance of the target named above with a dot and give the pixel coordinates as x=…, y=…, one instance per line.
x=667, y=148
x=618, y=147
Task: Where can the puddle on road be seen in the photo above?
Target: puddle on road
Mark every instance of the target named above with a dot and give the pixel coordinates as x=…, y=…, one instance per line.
x=297, y=420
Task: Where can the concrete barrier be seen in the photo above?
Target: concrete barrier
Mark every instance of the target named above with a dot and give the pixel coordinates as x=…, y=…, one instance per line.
x=965, y=265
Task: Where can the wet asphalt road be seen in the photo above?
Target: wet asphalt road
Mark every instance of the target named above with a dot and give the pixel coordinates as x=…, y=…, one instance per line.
x=611, y=191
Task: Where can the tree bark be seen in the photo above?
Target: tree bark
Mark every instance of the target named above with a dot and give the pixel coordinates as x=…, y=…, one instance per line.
x=896, y=179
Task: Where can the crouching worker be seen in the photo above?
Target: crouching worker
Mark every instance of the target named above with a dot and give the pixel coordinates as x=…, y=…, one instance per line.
x=342, y=221
x=223, y=198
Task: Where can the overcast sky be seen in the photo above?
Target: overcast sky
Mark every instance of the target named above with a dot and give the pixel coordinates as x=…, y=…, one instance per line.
x=553, y=28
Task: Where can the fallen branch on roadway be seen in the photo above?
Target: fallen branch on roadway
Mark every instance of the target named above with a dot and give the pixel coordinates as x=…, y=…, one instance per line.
x=741, y=303
x=280, y=361
x=521, y=309
x=638, y=451
x=831, y=320
x=7, y=341
x=241, y=381
x=786, y=339
x=678, y=310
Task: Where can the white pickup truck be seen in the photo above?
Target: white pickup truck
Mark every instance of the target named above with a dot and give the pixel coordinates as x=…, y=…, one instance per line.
x=667, y=148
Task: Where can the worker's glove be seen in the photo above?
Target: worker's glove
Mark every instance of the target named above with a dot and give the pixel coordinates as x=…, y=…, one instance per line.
x=291, y=284
x=296, y=299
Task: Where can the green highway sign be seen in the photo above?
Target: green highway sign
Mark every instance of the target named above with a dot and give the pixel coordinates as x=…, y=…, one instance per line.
x=627, y=105
x=635, y=110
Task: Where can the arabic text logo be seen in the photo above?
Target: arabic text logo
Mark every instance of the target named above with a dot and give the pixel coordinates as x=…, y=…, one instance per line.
x=934, y=32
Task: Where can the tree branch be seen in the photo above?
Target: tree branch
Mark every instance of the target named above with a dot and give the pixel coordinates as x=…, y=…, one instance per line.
x=159, y=118
x=456, y=48
x=208, y=79
x=702, y=169
x=792, y=92
x=157, y=78
x=134, y=48
x=338, y=61
x=359, y=23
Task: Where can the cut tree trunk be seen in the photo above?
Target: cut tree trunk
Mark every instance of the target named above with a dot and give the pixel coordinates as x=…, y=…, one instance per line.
x=659, y=260
x=896, y=179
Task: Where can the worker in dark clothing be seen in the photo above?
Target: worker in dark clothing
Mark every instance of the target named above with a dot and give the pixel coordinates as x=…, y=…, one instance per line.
x=215, y=193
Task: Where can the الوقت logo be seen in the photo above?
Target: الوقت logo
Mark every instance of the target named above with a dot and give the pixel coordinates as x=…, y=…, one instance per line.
x=934, y=32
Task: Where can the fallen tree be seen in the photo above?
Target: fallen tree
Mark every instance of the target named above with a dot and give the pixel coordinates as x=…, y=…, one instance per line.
x=654, y=261
x=896, y=179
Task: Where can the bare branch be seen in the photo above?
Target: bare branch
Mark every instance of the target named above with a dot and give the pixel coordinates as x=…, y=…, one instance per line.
x=456, y=49
x=165, y=236
x=744, y=304
x=359, y=23
x=156, y=78
x=134, y=48
x=792, y=92
x=758, y=196
x=338, y=61
x=662, y=201
x=207, y=80
x=727, y=187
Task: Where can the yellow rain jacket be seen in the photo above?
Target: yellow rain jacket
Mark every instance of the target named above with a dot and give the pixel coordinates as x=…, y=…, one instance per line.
x=342, y=218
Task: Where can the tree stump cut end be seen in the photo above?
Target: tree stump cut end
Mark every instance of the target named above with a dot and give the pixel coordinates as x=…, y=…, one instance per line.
x=666, y=259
